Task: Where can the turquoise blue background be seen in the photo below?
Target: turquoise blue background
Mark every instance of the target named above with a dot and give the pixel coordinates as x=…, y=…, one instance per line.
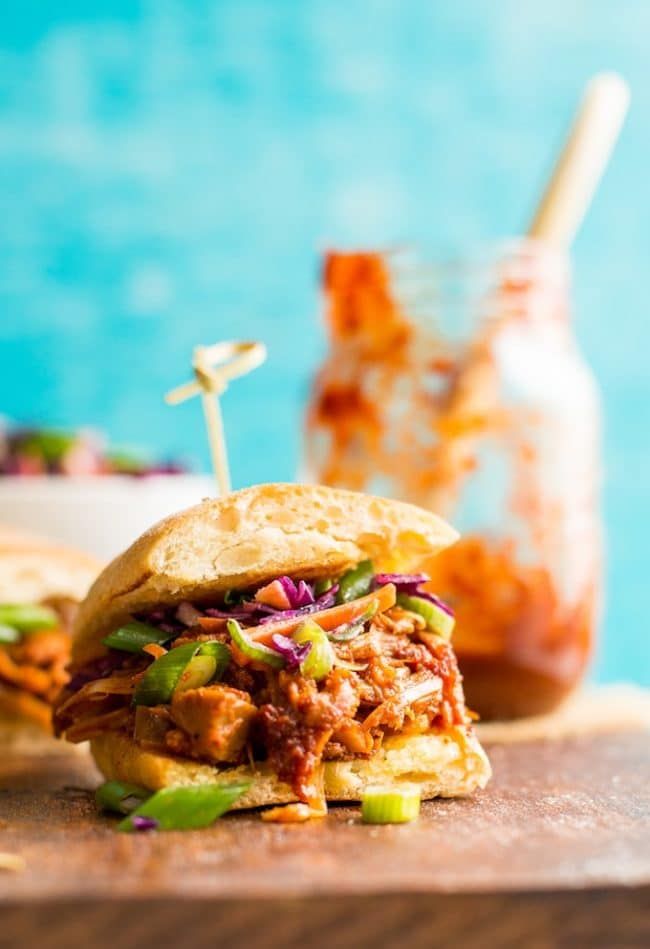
x=169, y=172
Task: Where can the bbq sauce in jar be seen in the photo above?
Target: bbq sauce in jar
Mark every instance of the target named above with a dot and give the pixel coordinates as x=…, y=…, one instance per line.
x=461, y=387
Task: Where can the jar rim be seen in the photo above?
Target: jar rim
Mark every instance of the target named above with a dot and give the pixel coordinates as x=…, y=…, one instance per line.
x=492, y=280
x=480, y=252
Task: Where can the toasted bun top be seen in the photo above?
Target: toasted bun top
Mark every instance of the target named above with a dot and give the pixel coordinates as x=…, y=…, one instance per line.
x=249, y=536
x=34, y=569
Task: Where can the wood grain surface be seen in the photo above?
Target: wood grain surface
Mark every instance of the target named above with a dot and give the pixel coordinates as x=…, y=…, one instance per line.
x=555, y=852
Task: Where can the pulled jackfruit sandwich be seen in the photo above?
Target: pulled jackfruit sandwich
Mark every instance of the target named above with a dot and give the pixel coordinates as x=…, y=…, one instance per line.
x=280, y=635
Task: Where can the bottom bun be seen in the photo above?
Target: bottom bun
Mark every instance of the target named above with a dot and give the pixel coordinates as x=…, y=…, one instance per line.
x=449, y=764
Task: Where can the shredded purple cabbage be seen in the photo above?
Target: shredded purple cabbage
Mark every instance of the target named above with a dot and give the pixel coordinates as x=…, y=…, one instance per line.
x=401, y=580
x=302, y=599
x=144, y=823
x=323, y=602
x=328, y=598
x=410, y=584
x=298, y=595
x=187, y=614
x=165, y=620
x=293, y=653
x=432, y=598
x=238, y=614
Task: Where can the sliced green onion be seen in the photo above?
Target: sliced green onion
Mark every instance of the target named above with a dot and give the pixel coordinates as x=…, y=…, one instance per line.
x=256, y=651
x=387, y=806
x=8, y=635
x=322, y=586
x=121, y=798
x=27, y=617
x=161, y=678
x=198, y=672
x=348, y=631
x=134, y=636
x=321, y=656
x=437, y=619
x=356, y=582
x=187, y=808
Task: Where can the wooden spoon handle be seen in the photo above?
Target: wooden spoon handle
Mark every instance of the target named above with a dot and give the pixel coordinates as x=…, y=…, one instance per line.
x=582, y=161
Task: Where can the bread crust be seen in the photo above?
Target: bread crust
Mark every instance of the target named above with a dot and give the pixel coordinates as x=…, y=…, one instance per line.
x=443, y=764
x=248, y=536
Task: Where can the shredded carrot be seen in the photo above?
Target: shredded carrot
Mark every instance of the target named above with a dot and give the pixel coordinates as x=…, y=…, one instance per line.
x=241, y=658
x=274, y=595
x=154, y=649
x=294, y=813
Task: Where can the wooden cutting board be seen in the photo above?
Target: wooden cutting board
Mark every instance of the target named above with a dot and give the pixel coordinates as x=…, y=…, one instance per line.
x=556, y=851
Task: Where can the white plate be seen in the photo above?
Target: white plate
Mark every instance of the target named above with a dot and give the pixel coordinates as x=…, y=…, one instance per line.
x=101, y=514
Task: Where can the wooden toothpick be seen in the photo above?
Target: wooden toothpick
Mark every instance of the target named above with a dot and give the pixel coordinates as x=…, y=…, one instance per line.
x=214, y=367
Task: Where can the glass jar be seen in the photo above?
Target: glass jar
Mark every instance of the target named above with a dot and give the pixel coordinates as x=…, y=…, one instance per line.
x=460, y=387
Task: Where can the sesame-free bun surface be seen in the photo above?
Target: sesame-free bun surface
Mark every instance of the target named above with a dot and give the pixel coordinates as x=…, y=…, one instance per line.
x=34, y=569
x=448, y=764
x=249, y=536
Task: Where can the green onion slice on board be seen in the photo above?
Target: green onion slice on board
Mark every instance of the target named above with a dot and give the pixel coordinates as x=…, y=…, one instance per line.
x=389, y=806
x=185, y=808
x=164, y=674
x=121, y=798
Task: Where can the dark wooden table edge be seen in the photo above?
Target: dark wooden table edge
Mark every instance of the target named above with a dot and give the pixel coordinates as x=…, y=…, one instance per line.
x=207, y=894
x=581, y=917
